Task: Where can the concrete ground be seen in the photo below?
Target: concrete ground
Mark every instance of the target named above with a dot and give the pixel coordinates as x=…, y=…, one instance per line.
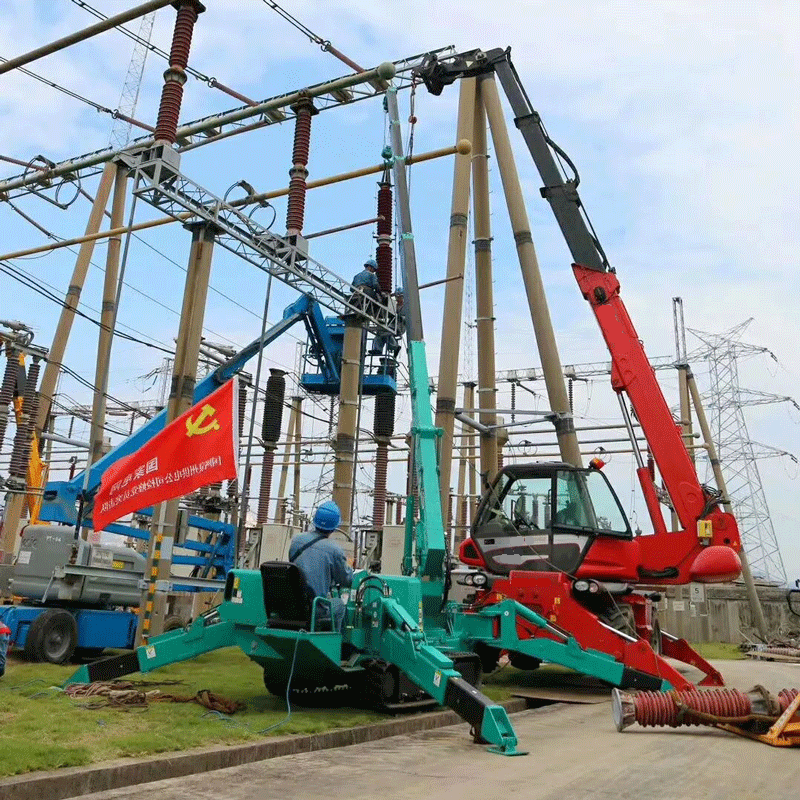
x=575, y=753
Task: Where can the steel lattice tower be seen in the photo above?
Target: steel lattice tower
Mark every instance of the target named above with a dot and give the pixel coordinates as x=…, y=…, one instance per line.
x=129, y=97
x=737, y=452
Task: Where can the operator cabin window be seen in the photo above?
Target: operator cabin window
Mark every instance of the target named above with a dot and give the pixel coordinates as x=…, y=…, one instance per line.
x=585, y=500
x=527, y=503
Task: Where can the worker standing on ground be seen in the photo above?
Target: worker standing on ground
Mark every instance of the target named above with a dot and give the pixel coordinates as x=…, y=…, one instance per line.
x=367, y=280
x=323, y=562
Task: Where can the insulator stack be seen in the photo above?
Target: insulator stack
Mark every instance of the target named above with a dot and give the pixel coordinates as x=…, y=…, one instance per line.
x=696, y=706
x=379, y=498
x=7, y=389
x=383, y=427
x=383, y=252
x=169, y=109
x=242, y=405
x=383, y=424
x=273, y=406
x=296, y=205
x=20, y=454
x=651, y=466
x=270, y=433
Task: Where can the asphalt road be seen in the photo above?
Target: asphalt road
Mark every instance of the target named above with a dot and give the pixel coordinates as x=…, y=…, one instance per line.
x=575, y=753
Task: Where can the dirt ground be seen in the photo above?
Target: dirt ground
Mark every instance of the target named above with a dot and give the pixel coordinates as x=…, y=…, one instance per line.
x=575, y=753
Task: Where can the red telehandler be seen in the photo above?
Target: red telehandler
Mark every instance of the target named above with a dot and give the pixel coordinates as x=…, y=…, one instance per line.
x=554, y=536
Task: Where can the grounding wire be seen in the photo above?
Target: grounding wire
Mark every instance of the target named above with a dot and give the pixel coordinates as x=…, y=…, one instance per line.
x=75, y=96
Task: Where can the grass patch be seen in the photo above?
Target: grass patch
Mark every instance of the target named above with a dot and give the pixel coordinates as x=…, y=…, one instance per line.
x=42, y=728
x=718, y=650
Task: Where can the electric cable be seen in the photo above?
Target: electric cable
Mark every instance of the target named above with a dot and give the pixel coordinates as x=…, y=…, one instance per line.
x=115, y=113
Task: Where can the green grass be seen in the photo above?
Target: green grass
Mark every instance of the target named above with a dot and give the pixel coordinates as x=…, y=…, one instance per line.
x=718, y=650
x=42, y=728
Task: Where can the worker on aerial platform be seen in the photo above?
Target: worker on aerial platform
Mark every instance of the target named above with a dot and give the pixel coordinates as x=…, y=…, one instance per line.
x=367, y=280
x=322, y=561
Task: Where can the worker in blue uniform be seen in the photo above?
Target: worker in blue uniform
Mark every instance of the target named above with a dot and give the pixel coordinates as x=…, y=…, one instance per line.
x=387, y=341
x=322, y=561
x=367, y=280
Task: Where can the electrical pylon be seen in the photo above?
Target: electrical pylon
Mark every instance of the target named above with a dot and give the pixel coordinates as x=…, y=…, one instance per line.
x=129, y=97
x=737, y=452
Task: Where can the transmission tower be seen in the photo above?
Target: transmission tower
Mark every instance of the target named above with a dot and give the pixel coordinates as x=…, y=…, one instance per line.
x=129, y=97
x=737, y=452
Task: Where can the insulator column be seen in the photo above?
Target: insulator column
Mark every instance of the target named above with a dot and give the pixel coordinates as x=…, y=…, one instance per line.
x=296, y=205
x=7, y=388
x=531, y=276
x=450, y=346
x=18, y=468
x=696, y=706
x=18, y=471
x=383, y=251
x=169, y=110
x=383, y=428
x=270, y=433
x=484, y=323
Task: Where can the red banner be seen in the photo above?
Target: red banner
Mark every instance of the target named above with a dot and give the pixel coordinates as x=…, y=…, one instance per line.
x=198, y=448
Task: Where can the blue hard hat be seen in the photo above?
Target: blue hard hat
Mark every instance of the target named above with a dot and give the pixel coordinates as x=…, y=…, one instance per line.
x=371, y=262
x=327, y=517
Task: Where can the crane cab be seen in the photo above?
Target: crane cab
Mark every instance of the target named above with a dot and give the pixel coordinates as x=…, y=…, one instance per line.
x=543, y=517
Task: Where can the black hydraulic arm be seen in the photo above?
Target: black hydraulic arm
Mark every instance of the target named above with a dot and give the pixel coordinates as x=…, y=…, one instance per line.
x=560, y=192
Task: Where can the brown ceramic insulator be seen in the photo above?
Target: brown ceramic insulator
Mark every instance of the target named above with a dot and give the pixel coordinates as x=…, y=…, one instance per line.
x=785, y=697
x=659, y=709
x=379, y=499
x=383, y=252
x=7, y=389
x=169, y=109
x=262, y=515
x=182, y=34
x=18, y=466
x=296, y=204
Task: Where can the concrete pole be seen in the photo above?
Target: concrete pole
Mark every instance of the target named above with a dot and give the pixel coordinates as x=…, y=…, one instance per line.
x=344, y=444
x=108, y=316
x=686, y=424
x=450, y=346
x=484, y=297
x=181, y=398
x=461, y=500
x=297, y=403
x=73, y=296
x=280, y=505
x=540, y=314
x=747, y=576
x=469, y=402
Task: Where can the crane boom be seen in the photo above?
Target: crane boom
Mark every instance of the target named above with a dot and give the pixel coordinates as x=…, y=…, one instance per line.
x=695, y=505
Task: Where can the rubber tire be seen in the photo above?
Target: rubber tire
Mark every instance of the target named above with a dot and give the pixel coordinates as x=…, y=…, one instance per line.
x=175, y=623
x=52, y=637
